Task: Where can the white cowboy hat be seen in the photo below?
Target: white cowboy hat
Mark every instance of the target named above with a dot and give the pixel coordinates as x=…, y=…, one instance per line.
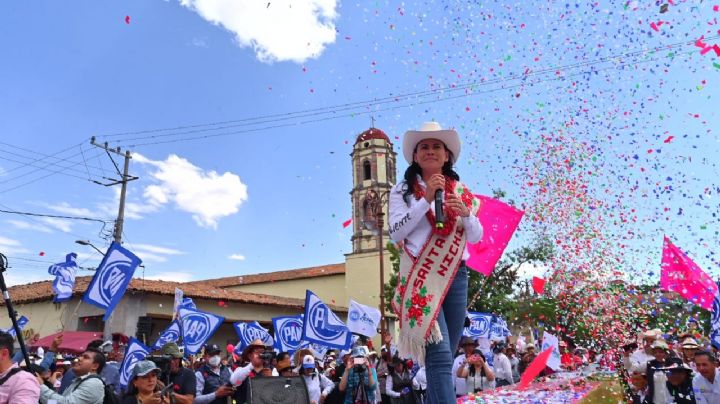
x=431, y=130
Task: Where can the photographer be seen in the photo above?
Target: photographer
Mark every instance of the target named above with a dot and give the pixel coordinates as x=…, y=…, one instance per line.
x=143, y=386
x=213, y=379
x=257, y=365
x=359, y=381
x=182, y=379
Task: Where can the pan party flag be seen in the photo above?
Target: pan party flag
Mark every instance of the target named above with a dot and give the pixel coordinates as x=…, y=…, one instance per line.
x=111, y=278
x=681, y=275
x=499, y=222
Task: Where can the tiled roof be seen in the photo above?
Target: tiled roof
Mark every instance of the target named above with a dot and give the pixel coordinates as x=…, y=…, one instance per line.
x=41, y=291
x=301, y=273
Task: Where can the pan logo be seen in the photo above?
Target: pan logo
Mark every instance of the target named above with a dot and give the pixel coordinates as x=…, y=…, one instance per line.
x=319, y=323
x=291, y=333
x=479, y=325
x=196, y=327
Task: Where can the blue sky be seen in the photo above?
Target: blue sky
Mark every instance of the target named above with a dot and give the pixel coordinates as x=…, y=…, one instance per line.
x=277, y=197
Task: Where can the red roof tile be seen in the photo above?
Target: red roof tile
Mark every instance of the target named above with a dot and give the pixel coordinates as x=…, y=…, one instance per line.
x=301, y=273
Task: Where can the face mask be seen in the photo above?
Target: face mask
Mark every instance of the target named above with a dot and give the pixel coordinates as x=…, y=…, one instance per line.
x=214, y=361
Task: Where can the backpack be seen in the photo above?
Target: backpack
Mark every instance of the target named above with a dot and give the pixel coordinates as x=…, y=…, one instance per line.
x=110, y=397
x=9, y=375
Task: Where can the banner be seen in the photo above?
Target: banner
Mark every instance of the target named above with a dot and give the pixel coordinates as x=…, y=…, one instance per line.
x=715, y=320
x=22, y=322
x=249, y=332
x=550, y=342
x=479, y=325
x=111, y=278
x=170, y=334
x=499, y=221
x=499, y=329
x=64, y=278
x=363, y=320
x=681, y=275
x=322, y=326
x=288, y=333
x=197, y=327
x=134, y=353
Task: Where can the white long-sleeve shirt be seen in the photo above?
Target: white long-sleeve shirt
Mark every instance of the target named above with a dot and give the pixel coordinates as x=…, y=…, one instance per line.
x=408, y=222
x=706, y=392
x=420, y=379
x=318, y=385
x=389, y=384
x=503, y=368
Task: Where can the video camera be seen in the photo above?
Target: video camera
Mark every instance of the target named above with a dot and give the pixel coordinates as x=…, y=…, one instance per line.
x=267, y=358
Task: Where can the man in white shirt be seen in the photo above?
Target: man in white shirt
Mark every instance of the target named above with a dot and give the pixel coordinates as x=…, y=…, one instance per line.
x=645, y=354
x=468, y=346
x=502, y=366
x=706, y=384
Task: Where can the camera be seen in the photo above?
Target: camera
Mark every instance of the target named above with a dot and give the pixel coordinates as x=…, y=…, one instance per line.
x=267, y=358
x=359, y=365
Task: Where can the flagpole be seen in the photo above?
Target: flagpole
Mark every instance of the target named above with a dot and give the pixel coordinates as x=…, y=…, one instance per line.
x=11, y=311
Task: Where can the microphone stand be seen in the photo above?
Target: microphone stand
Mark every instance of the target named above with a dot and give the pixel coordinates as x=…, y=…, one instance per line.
x=11, y=311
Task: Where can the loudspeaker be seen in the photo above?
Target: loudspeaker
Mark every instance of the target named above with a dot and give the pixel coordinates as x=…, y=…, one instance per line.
x=278, y=390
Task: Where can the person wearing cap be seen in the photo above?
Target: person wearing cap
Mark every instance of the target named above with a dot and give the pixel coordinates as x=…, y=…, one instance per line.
x=502, y=366
x=398, y=385
x=213, y=379
x=284, y=367
x=477, y=374
x=143, y=386
x=468, y=345
x=706, y=384
x=654, y=370
x=318, y=386
x=433, y=260
x=181, y=378
x=359, y=381
x=679, y=382
x=254, y=367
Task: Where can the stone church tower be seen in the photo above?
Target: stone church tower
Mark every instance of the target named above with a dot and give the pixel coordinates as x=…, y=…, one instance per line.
x=374, y=173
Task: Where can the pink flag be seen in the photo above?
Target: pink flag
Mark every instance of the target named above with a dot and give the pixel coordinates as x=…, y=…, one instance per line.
x=499, y=221
x=534, y=368
x=538, y=285
x=681, y=275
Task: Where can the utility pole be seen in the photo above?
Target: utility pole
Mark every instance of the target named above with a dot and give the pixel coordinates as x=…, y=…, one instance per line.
x=124, y=179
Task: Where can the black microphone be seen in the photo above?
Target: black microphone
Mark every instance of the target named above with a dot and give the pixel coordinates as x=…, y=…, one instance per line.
x=439, y=216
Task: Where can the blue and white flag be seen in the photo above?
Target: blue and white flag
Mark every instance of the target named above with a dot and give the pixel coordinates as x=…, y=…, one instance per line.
x=322, y=326
x=64, y=278
x=22, y=322
x=715, y=321
x=499, y=329
x=187, y=303
x=479, y=325
x=111, y=278
x=288, y=333
x=134, y=353
x=363, y=320
x=249, y=332
x=197, y=327
x=170, y=334
x=318, y=350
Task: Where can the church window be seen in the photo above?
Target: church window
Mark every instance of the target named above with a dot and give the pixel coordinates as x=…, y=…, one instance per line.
x=366, y=170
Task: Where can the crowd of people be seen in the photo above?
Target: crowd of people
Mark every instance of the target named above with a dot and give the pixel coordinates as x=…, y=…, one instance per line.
x=682, y=370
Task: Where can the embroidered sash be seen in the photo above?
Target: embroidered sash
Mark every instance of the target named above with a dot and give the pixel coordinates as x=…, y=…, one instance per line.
x=423, y=283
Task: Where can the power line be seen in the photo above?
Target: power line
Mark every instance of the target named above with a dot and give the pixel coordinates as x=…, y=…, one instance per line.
x=54, y=216
x=36, y=153
x=274, y=118
x=34, y=218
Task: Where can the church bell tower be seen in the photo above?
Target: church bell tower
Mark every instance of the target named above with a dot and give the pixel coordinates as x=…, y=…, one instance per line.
x=373, y=170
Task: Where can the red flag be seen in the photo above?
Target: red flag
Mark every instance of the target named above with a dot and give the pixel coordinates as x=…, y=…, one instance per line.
x=347, y=223
x=534, y=369
x=127, y=19
x=499, y=222
x=538, y=285
x=681, y=275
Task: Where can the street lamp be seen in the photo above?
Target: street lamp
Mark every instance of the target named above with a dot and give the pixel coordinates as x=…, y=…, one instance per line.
x=375, y=202
x=86, y=242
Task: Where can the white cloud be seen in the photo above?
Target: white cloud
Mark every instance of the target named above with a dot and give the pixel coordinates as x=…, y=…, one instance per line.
x=63, y=225
x=66, y=208
x=172, y=276
x=207, y=195
x=153, y=253
x=9, y=246
x=277, y=31
x=237, y=257
x=23, y=225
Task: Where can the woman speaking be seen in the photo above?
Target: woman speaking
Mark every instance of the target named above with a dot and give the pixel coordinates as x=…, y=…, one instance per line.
x=431, y=296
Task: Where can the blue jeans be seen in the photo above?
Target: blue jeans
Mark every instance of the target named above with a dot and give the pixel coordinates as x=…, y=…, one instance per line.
x=439, y=357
